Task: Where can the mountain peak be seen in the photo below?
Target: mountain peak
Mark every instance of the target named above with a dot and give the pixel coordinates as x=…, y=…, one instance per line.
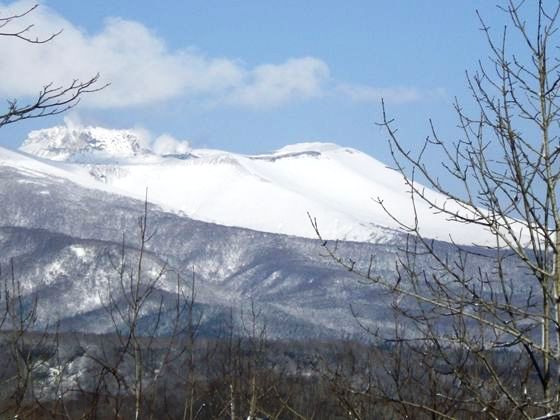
x=84, y=144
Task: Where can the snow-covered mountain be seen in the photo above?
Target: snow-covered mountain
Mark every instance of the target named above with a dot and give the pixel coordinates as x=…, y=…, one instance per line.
x=64, y=241
x=62, y=221
x=270, y=192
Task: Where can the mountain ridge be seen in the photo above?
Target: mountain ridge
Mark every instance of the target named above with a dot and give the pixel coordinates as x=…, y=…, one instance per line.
x=272, y=192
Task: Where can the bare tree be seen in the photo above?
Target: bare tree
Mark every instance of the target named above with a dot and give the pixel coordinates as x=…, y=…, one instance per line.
x=29, y=351
x=19, y=318
x=192, y=330
x=465, y=309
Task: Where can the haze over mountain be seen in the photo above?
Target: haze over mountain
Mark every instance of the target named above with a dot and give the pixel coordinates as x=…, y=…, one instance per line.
x=271, y=193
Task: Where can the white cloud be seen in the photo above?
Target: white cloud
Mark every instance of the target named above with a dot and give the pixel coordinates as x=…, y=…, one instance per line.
x=169, y=145
x=143, y=70
x=140, y=67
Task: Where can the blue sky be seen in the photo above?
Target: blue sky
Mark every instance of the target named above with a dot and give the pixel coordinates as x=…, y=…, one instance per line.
x=252, y=76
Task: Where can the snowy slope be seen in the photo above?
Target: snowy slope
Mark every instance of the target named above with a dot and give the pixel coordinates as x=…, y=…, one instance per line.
x=271, y=193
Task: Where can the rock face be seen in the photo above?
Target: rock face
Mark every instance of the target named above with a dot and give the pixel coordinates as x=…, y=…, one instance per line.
x=83, y=144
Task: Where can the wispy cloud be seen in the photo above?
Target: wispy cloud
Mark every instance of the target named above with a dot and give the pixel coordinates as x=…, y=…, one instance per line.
x=166, y=144
x=395, y=95
x=142, y=69
x=272, y=85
